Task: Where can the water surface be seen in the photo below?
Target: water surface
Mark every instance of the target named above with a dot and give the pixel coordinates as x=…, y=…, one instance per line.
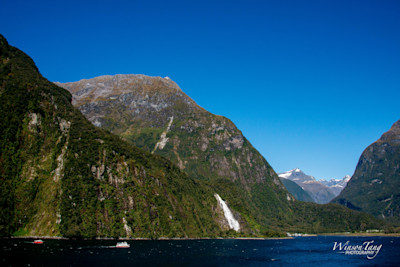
x=300, y=251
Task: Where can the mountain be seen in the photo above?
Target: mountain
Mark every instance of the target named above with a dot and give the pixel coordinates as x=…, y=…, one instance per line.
x=374, y=187
x=296, y=190
x=154, y=114
x=62, y=176
x=336, y=185
x=319, y=192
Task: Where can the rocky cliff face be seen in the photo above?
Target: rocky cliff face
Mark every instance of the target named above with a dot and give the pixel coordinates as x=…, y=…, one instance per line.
x=374, y=187
x=153, y=113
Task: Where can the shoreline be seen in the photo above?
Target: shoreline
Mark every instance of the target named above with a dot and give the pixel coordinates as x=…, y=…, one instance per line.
x=145, y=238
x=361, y=234
x=205, y=238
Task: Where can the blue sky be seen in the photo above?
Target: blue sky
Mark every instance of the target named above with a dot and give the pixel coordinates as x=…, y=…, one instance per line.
x=310, y=83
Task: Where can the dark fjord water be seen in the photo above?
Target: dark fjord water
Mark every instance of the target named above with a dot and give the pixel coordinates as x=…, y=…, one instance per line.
x=301, y=251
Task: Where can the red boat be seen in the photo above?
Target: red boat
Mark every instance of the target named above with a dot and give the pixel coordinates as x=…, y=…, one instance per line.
x=38, y=241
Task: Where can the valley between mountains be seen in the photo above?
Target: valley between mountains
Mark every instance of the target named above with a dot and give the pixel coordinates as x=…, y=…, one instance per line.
x=134, y=156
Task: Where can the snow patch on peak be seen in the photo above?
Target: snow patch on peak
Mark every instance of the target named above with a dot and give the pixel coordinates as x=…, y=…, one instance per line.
x=296, y=174
x=284, y=175
x=289, y=173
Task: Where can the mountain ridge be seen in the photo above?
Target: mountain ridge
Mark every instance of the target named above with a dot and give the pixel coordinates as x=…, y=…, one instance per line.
x=153, y=104
x=208, y=147
x=374, y=186
x=117, y=77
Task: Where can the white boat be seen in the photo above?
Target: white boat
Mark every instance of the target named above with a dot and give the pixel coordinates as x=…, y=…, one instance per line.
x=122, y=245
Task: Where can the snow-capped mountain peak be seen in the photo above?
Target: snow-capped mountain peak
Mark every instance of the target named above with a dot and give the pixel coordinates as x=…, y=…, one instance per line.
x=321, y=191
x=296, y=175
x=336, y=185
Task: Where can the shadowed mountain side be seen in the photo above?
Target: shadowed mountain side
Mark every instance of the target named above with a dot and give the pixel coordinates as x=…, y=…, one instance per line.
x=296, y=190
x=374, y=187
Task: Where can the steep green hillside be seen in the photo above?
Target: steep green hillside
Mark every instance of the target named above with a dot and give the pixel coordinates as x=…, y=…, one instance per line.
x=296, y=190
x=374, y=187
x=154, y=114
x=331, y=218
x=60, y=175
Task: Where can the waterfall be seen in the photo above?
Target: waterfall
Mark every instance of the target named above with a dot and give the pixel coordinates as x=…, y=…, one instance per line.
x=233, y=223
x=163, y=139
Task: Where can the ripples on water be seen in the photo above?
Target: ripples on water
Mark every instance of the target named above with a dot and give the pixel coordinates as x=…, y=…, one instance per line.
x=309, y=251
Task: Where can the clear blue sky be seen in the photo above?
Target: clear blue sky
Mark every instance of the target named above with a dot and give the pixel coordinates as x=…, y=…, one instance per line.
x=310, y=83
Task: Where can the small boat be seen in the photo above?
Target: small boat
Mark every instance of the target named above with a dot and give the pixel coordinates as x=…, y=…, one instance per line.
x=38, y=241
x=122, y=245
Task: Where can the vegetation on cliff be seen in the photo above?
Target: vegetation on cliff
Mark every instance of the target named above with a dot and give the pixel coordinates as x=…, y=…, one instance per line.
x=60, y=175
x=374, y=187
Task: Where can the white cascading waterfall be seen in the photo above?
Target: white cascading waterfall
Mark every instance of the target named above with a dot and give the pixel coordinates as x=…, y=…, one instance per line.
x=233, y=223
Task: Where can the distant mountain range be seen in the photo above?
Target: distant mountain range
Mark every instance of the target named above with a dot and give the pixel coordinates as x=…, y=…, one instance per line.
x=336, y=185
x=321, y=191
x=375, y=185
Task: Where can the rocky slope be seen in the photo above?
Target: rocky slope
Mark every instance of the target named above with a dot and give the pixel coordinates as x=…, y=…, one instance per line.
x=374, y=187
x=62, y=176
x=319, y=192
x=154, y=114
